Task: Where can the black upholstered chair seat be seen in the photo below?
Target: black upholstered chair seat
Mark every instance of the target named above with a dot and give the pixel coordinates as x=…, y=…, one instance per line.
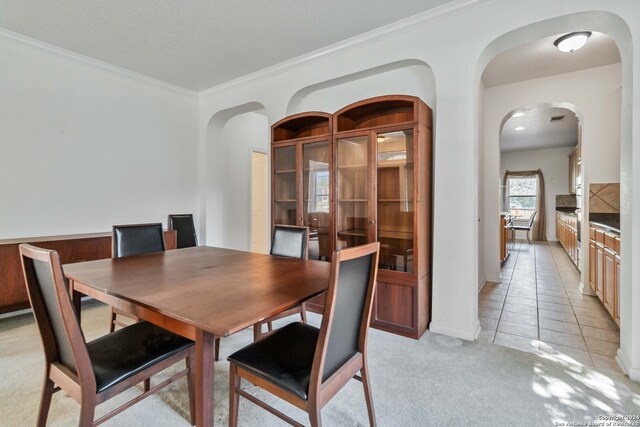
x=128, y=351
x=283, y=358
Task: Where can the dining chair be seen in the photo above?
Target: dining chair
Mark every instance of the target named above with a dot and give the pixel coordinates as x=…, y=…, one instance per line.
x=526, y=228
x=129, y=240
x=307, y=366
x=292, y=242
x=93, y=372
x=185, y=229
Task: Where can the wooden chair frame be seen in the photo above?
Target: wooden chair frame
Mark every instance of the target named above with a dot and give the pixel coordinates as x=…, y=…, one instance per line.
x=81, y=386
x=320, y=393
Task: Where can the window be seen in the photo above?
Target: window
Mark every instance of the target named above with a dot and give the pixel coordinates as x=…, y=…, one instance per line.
x=522, y=195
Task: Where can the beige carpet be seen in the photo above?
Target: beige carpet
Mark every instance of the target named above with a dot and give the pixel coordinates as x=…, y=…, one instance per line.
x=434, y=381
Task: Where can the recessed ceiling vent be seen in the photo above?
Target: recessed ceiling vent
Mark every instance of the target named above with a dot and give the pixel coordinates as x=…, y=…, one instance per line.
x=555, y=118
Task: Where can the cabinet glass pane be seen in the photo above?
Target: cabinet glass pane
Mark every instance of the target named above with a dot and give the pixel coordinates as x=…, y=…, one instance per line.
x=352, y=186
x=316, y=203
x=395, y=200
x=284, y=166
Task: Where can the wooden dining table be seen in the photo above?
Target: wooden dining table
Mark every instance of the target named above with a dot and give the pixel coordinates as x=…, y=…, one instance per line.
x=201, y=293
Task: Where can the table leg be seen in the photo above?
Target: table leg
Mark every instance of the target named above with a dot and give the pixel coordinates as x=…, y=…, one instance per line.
x=75, y=298
x=204, y=378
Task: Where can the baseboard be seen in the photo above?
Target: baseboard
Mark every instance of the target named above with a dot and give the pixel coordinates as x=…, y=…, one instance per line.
x=586, y=290
x=464, y=334
x=632, y=373
x=481, y=283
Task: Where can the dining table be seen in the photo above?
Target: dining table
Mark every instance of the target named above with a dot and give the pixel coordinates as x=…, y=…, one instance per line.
x=202, y=293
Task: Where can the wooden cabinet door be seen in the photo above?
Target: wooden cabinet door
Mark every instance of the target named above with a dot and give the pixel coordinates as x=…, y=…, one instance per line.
x=353, y=192
x=395, y=199
x=593, y=265
x=599, y=270
x=317, y=198
x=608, y=275
x=285, y=191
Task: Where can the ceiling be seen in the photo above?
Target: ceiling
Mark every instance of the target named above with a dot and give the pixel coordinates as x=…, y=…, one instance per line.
x=537, y=59
x=198, y=44
x=538, y=131
x=540, y=58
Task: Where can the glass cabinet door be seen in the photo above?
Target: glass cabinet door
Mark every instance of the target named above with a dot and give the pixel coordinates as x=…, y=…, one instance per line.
x=352, y=219
x=316, y=202
x=284, y=197
x=395, y=210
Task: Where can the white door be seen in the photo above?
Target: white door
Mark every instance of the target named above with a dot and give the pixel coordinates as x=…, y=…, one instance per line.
x=260, y=203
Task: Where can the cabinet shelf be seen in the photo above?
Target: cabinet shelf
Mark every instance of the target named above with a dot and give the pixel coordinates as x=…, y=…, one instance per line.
x=352, y=200
x=354, y=232
x=395, y=200
x=358, y=166
x=285, y=200
x=286, y=171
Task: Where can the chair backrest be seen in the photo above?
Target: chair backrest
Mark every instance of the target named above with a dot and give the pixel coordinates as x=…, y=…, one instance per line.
x=347, y=311
x=185, y=229
x=61, y=334
x=531, y=218
x=137, y=239
x=290, y=241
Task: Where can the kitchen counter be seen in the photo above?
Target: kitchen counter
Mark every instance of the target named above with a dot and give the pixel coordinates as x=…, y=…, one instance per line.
x=609, y=222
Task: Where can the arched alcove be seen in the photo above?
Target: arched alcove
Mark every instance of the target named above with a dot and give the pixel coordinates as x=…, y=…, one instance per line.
x=407, y=77
x=589, y=114
x=232, y=135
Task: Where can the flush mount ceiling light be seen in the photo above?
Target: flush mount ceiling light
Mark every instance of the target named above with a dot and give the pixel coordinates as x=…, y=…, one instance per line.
x=572, y=41
x=518, y=114
x=519, y=128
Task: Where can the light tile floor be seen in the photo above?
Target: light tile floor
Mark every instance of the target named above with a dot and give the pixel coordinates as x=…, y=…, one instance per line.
x=538, y=308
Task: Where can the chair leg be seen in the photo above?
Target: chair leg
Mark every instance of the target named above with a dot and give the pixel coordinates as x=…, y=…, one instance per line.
x=147, y=384
x=112, y=323
x=257, y=331
x=216, y=349
x=367, y=394
x=303, y=313
x=191, y=385
x=45, y=401
x=528, y=240
x=314, y=414
x=87, y=410
x=269, y=326
x=234, y=397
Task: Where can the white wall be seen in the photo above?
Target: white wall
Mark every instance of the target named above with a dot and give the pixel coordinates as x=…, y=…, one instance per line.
x=83, y=147
x=598, y=109
x=230, y=213
x=417, y=80
x=554, y=164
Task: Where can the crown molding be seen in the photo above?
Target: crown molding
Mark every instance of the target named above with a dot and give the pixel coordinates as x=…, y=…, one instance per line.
x=445, y=11
x=82, y=59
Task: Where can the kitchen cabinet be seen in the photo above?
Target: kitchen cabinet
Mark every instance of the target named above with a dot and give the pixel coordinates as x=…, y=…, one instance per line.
x=567, y=235
x=604, y=268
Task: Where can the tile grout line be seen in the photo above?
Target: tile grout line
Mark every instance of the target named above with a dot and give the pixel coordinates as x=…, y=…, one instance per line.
x=573, y=310
x=506, y=295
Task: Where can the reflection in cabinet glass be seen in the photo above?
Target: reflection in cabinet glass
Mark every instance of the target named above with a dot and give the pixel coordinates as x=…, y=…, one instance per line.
x=285, y=185
x=395, y=200
x=316, y=198
x=353, y=190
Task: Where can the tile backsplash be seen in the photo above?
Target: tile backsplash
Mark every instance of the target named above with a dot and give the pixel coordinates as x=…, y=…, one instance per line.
x=604, y=198
x=566, y=201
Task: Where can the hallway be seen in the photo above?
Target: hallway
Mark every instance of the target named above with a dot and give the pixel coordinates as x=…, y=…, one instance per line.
x=538, y=308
